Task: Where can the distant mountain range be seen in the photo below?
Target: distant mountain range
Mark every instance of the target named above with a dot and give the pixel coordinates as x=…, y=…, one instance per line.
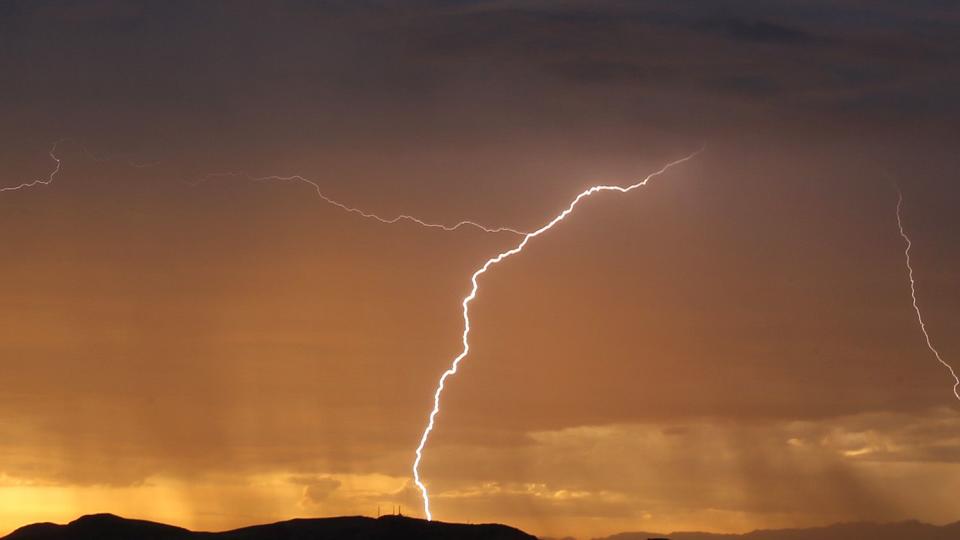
x=907, y=530
x=110, y=527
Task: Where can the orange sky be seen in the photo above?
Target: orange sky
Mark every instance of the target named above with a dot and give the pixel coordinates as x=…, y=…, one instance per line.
x=731, y=347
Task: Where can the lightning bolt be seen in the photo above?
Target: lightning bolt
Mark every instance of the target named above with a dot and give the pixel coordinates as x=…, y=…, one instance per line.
x=465, y=303
x=363, y=213
x=59, y=162
x=913, y=296
x=40, y=181
x=316, y=187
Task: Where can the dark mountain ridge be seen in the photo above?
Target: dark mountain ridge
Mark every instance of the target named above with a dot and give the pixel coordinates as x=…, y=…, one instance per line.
x=110, y=527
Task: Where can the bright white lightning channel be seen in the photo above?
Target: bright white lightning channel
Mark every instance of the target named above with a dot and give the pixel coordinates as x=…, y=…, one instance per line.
x=913, y=296
x=363, y=213
x=452, y=370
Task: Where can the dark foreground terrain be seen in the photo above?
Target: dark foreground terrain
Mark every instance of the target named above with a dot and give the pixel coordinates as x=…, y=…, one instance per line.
x=907, y=530
x=110, y=527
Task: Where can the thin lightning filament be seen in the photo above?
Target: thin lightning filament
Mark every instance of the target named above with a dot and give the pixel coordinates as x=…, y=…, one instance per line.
x=913, y=297
x=40, y=181
x=369, y=215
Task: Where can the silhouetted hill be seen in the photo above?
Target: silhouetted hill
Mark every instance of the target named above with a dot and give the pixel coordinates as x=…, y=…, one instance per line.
x=907, y=530
x=110, y=527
